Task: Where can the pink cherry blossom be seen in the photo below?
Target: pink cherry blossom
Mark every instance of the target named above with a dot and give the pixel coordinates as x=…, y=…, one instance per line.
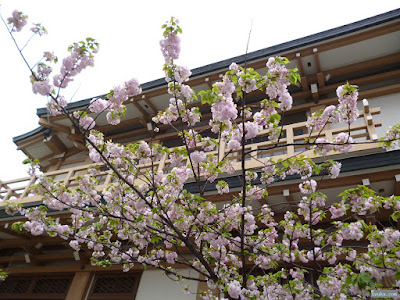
x=170, y=47
x=87, y=123
x=98, y=105
x=18, y=20
x=41, y=87
x=322, y=146
x=197, y=156
x=343, y=142
x=308, y=187
x=234, y=289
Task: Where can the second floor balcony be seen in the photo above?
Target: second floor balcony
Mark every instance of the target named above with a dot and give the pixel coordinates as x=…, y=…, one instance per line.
x=291, y=143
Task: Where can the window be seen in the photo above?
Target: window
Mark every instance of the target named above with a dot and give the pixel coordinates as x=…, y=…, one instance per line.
x=114, y=286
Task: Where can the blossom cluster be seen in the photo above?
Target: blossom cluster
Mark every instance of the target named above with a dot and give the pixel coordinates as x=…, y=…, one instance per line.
x=18, y=20
x=80, y=58
x=170, y=45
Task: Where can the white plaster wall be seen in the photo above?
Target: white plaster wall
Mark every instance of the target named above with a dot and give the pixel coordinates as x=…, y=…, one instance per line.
x=358, y=52
x=154, y=285
x=390, y=111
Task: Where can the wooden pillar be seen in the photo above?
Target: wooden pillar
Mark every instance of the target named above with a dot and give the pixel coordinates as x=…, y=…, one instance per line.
x=79, y=286
x=371, y=130
x=300, y=64
x=290, y=140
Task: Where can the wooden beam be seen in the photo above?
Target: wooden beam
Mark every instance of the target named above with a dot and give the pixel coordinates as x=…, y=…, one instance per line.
x=6, y=228
x=300, y=64
x=316, y=58
x=46, y=157
x=368, y=64
x=3, y=185
x=22, y=242
x=55, y=144
x=304, y=84
x=80, y=146
x=123, y=124
x=77, y=268
x=71, y=151
x=55, y=164
x=150, y=104
x=30, y=256
x=126, y=134
x=139, y=107
x=373, y=79
x=40, y=258
x=321, y=80
x=75, y=137
x=58, y=127
x=208, y=82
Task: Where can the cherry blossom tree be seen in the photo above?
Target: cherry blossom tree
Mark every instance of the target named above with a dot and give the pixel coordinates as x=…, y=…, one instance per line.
x=150, y=218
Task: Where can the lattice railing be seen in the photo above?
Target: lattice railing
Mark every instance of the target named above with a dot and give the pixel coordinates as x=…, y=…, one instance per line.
x=289, y=145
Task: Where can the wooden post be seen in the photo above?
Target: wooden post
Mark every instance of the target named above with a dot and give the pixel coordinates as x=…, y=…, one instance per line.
x=290, y=140
x=161, y=163
x=79, y=286
x=67, y=178
x=321, y=80
x=8, y=195
x=371, y=130
x=27, y=188
x=221, y=146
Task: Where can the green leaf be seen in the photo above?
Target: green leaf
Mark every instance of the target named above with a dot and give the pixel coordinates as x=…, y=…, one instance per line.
x=397, y=275
x=396, y=215
x=348, y=280
x=27, y=161
x=364, y=280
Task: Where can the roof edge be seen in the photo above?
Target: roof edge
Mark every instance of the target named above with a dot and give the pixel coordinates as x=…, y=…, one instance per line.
x=269, y=51
x=31, y=133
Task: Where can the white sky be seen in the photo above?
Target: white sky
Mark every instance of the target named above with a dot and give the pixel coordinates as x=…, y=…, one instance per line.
x=129, y=34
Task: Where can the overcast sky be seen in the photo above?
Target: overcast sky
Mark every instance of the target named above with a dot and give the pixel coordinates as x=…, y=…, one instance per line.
x=129, y=34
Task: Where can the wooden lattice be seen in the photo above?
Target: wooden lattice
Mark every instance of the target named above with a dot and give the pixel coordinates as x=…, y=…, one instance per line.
x=114, y=286
x=29, y=287
x=51, y=286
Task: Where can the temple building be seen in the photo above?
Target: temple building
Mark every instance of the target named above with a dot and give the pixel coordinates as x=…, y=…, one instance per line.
x=365, y=53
